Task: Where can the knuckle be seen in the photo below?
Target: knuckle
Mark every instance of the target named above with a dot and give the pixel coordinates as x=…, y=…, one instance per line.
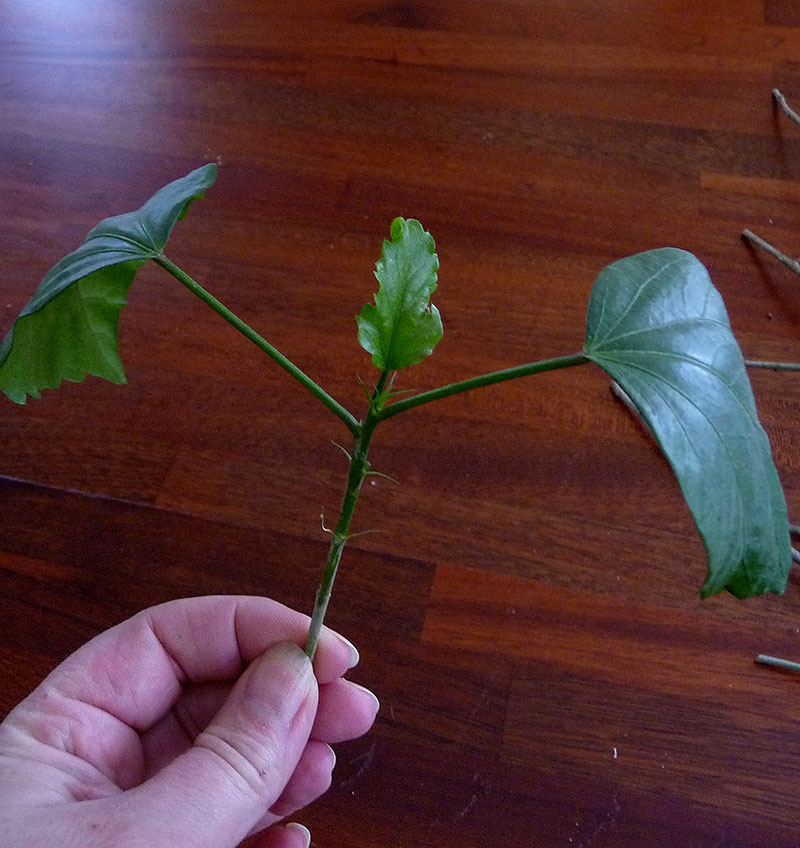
x=249, y=759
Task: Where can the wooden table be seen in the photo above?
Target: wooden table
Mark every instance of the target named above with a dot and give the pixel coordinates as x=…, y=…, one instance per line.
x=528, y=612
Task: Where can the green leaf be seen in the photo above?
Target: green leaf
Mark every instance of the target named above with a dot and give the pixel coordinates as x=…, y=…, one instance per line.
x=68, y=330
x=403, y=327
x=657, y=326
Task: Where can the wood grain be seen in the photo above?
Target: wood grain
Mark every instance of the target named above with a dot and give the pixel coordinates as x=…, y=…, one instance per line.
x=528, y=610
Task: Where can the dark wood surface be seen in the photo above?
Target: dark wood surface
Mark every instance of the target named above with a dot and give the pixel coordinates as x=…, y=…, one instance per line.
x=528, y=613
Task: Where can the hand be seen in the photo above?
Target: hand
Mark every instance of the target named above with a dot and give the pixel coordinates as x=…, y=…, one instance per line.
x=194, y=724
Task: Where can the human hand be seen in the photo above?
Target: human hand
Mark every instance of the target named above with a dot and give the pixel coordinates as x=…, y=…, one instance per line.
x=194, y=724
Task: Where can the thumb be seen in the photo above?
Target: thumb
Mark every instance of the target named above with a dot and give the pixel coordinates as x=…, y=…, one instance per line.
x=218, y=790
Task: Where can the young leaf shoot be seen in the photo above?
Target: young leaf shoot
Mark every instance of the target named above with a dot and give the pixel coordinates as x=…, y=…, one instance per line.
x=403, y=326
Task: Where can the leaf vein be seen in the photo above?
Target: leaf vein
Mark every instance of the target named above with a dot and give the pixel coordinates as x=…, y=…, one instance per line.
x=632, y=302
x=736, y=473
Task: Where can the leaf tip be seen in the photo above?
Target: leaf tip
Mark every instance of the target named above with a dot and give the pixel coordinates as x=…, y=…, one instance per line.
x=751, y=579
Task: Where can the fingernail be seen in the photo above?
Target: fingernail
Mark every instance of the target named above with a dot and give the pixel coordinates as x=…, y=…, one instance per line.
x=355, y=657
x=301, y=830
x=279, y=681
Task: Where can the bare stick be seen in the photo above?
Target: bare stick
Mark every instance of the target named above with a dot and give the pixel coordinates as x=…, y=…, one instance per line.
x=773, y=366
x=776, y=662
x=787, y=109
x=622, y=395
x=793, y=264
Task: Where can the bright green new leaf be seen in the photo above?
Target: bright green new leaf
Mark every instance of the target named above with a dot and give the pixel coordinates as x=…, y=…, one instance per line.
x=403, y=326
x=657, y=326
x=68, y=330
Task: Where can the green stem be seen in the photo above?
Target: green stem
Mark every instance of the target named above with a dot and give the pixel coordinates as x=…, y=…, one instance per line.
x=484, y=380
x=359, y=468
x=349, y=419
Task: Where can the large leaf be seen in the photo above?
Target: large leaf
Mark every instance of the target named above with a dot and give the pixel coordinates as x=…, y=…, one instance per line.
x=657, y=326
x=68, y=330
x=403, y=327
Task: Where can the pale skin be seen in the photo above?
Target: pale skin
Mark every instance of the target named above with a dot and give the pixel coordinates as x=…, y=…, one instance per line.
x=198, y=723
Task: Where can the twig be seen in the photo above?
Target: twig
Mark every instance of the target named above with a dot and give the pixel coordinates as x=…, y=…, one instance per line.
x=776, y=662
x=622, y=396
x=793, y=264
x=794, y=530
x=774, y=366
x=787, y=109
x=751, y=236
x=790, y=263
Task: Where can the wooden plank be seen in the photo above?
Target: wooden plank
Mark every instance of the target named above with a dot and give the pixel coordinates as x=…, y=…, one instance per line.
x=529, y=604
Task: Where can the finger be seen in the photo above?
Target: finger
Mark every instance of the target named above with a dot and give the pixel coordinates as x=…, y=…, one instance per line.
x=291, y=835
x=240, y=764
x=310, y=779
x=346, y=711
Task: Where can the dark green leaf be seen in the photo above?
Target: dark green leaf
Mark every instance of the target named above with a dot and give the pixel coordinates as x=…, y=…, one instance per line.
x=657, y=326
x=69, y=328
x=403, y=327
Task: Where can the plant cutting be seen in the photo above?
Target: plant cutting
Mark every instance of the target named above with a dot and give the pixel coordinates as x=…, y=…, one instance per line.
x=752, y=238
x=655, y=324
